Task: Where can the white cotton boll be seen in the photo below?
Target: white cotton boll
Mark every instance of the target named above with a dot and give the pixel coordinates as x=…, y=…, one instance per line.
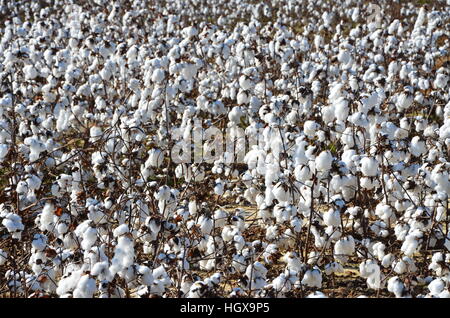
x=219, y=187
x=317, y=294
x=323, y=161
x=369, y=166
x=280, y=192
x=312, y=278
x=39, y=242
x=333, y=268
x=86, y=287
x=22, y=187
x=395, y=286
x=436, y=286
x=155, y=158
x=371, y=270
x=417, y=147
x=235, y=114
x=411, y=243
x=328, y=114
x=121, y=230
x=189, y=32
x=404, y=101
x=441, y=81
x=302, y=173
x=95, y=132
x=345, y=246
x=245, y=83
x=332, y=218
x=229, y=232
x=399, y=267
x=243, y=98
x=206, y=224
x=387, y=260
x=3, y=151
x=341, y=109
x=310, y=128
x=13, y=224
x=193, y=207
x=293, y=261
x=220, y=218
x=239, y=242
x=444, y=294
x=158, y=75
x=30, y=72
x=123, y=254
x=384, y=212
x=378, y=250
x=89, y=238
x=3, y=257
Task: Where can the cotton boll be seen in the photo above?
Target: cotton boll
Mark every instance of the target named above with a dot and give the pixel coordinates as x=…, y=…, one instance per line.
x=3, y=151
x=39, y=242
x=369, y=166
x=158, y=75
x=86, y=287
x=3, y=257
x=13, y=224
x=436, y=286
x=323, y=161
x=30, y=72
x=332, y=218
x=280, y=192
x=310, y=128
x=121, y=230
x=312, y=278
x=411, y=243
x=396, y=286
x=344, y=247
x=317, y=294
x=384, y=212
x=371, y=270
x=417, y=147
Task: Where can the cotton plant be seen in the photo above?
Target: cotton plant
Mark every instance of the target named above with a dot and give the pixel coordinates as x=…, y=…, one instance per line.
x=116, y=181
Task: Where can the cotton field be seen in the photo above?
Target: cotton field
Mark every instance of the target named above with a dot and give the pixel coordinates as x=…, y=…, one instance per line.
x=207, y=148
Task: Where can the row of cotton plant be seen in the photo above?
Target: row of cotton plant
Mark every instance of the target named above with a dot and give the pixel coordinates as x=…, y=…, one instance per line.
x=339, y=118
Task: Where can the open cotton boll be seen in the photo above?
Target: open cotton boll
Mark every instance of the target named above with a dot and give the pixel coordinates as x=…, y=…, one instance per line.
x=436, y=286
x=404, y=101
x=95, y=132
x=341, y=109
x=280, y=192
x=39, y=242
x=123, y=254
x=317, y=294
x=3, y=151
x=86, y=287
x=383, y=211
x=371, y=270
x=411, y=243
x=13, y=224
x=323, y=161
x=30, y=72
x=121, y=230
x=333, y=267
x=312, y=278
x=417, y=147
x=310, y=128
x=220, y=218
x=369, y=166
x=3, y=257
x=396, y=286
x=332, y=218
x=155, y=158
